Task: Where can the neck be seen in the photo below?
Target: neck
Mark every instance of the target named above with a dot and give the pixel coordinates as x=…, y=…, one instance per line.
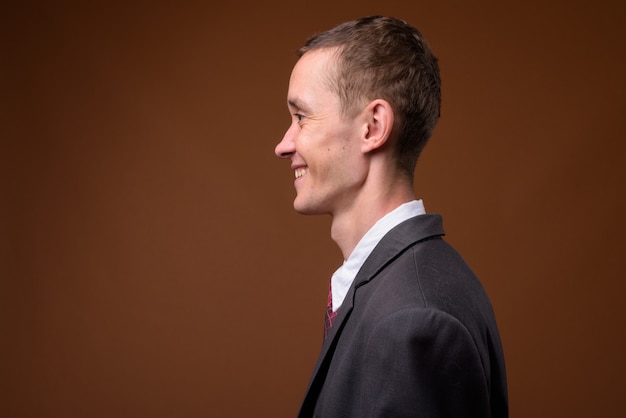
x=349, y=226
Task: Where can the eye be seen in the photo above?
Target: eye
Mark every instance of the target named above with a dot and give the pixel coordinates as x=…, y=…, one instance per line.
x=298, y=117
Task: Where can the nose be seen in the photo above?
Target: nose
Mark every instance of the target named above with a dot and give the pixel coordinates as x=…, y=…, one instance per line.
x=286, y=147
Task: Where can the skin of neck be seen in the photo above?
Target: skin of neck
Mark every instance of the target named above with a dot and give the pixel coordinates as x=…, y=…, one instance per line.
x=384, y=189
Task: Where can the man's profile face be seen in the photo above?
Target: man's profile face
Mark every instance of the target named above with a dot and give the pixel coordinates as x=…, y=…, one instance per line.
x=321, y=143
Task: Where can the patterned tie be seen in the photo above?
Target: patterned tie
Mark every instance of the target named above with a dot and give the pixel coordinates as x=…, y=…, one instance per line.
x=330, y=315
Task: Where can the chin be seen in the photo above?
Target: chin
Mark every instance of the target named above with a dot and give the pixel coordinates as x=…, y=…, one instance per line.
x=304, y=208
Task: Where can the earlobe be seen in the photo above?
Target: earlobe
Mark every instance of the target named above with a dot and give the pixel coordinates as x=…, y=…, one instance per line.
x=379, y=119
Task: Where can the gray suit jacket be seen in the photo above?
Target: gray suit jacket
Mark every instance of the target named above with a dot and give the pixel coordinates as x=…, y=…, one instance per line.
x=415, y=337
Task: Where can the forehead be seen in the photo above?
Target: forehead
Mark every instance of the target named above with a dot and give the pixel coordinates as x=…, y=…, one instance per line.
x=311, y=76
x=316, y=60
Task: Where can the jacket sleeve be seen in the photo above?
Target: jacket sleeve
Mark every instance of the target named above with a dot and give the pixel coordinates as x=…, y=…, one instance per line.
x=421, y=362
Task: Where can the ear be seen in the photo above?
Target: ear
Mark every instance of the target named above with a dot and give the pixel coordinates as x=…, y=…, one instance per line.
x=379, y=124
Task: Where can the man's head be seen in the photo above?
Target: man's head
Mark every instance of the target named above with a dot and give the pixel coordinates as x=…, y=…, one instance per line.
x=385, y=58
x=364, y=99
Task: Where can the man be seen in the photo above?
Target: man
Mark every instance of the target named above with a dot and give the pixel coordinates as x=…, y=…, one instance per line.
x=414, y=334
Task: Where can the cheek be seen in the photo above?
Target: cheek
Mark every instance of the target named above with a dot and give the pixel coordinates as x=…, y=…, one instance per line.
x=346, y=166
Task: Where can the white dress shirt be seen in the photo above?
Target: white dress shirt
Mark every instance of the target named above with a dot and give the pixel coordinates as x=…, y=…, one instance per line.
x=344, y=276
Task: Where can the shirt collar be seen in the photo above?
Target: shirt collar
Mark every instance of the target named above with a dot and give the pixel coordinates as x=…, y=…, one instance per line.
x=344, y=276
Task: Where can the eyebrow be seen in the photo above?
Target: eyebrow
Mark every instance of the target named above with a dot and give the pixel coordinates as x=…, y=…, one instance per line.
x=297, y=104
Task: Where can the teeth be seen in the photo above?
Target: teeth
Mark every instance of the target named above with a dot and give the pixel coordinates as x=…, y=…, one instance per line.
x=300, y=172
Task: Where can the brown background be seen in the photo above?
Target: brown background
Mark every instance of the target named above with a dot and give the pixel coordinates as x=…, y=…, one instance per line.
x=147, y=227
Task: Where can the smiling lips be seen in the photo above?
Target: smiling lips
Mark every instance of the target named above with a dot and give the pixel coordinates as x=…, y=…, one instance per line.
x=299, y=172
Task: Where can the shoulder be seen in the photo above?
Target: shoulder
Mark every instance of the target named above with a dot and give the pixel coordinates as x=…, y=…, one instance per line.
x=430, y=330
x=428, y=273
x=426, y=294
